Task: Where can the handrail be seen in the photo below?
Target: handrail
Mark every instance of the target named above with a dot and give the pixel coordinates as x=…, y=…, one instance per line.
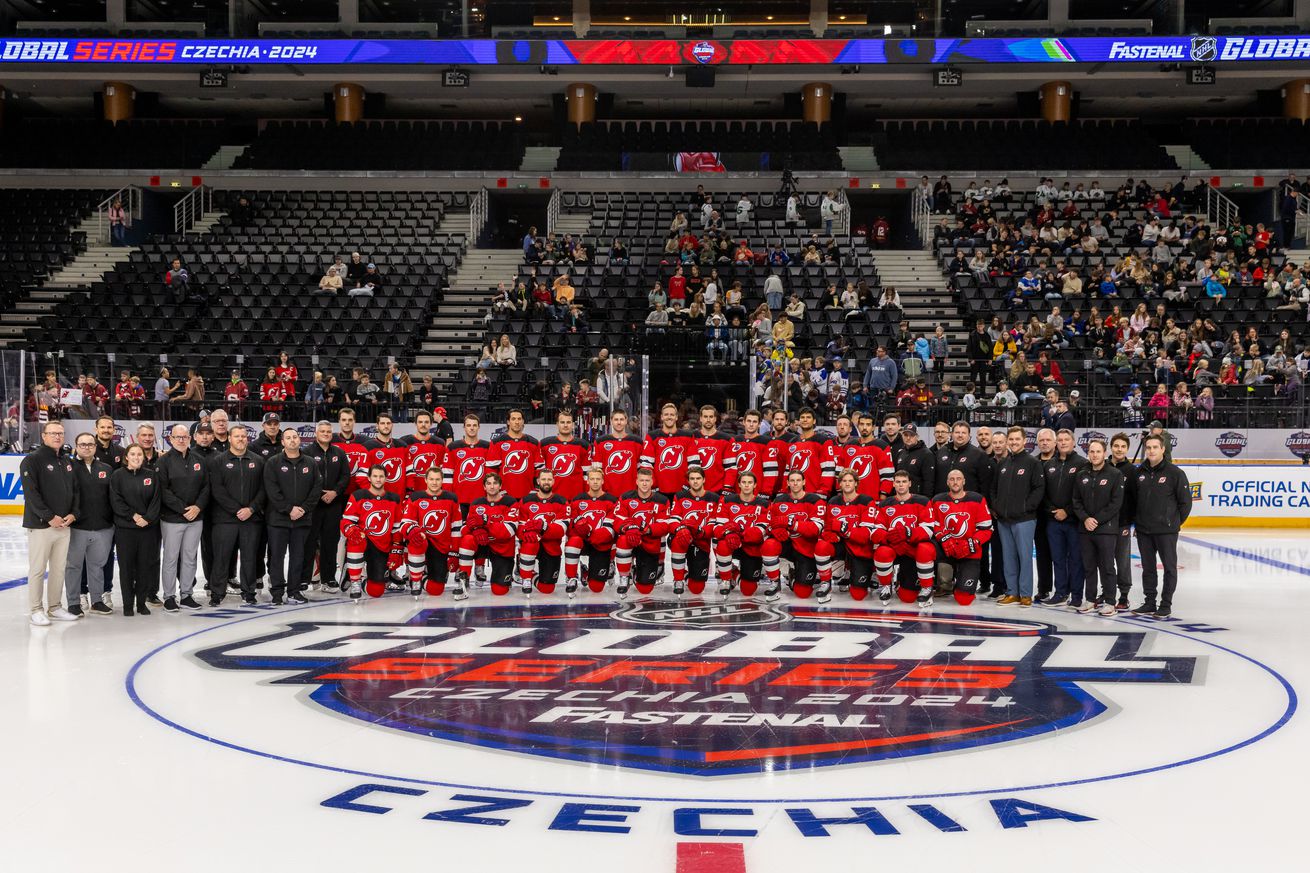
x=1220, y=211
x=921, y=215
x=552, y=210
x=192, y=207
x=1302, y=226
x=129, y=194
x=844, y=216
x=478, y=212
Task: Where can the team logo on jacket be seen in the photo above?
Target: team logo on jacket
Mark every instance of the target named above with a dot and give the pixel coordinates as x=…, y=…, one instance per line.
x=563, y=465
x=1230, y=443
x=470, y=469
x=618, y=464
x=708, y=689
x=515, y=462
x=670, y=457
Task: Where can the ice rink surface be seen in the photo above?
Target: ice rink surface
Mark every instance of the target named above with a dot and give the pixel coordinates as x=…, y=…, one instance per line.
x=710, y=736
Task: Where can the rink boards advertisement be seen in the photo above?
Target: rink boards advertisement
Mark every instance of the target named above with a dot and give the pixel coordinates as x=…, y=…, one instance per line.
x=1225, y=491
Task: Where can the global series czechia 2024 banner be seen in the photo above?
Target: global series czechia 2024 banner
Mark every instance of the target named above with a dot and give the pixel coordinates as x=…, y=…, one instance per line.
x=563, y=52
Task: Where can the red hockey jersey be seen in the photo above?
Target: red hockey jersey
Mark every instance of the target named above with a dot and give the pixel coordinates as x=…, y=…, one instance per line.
x=378, y=517
x=799, y=522
x=618, y=458
x=966, y=518
x=394, y=458
x=697, y=514
x=855, y=524
x=598, y=512
x=421, y=457
x=540, y=511
x=568, y=461
x=436, y=516
x=464, y=467
x=758, y=456
x=669, y=455
x=813, y=456
x=737, y=514
x=871, y=464
x=483, y=513
x=517, y=461
x=649, y=514
x=712, y=451
x=356, y=453
x=910, y=519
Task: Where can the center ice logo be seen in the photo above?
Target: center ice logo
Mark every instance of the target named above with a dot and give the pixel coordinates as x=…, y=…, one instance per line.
x=706, y=689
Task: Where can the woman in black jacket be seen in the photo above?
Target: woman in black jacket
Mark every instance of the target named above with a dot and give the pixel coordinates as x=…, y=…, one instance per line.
x=135, y=497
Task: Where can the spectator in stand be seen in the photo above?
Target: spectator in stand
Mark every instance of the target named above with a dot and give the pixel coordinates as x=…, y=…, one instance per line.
x=366, y=397
x=355, y=270
x=1158, y=405
x=677, y=290
x=505, y=354
x=773, y=291
x=284, y=367
x=331, y=283
x=716, y=332
x=939, y=348
x=178, y=280
x=890, y=301
x=657, y=320
x=880, y=233
x=193, y=395
x=744, y=209
x=164, y=392
x=371, y=282
x=272, y=392
x=120, y=220
x=235, y=394
x=657, y=296
x=784, y=332
x=742, y=256
x=882, y=375
x=1048, y=370
x=1180, y=405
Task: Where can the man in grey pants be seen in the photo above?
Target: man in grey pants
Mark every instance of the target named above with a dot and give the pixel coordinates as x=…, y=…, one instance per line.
x=92, y=538
x=184, y=484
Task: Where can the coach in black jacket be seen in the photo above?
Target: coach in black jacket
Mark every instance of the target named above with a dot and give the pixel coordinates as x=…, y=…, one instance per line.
x=50, y=506
x=917, y=460
x=1164, y=500
x=236, y=510
x=185, y=493
x=1020, y=487
x=1098, y=495
x=294, y=486
x=960, y=454
x=325, y=523
x=1061, y=471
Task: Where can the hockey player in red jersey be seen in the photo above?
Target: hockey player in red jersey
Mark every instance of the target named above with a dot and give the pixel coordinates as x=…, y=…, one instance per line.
x=669, y=453
x=866, y=457
x=353, y=445
x=618, y=456
x=488, y=534
x=369, y=526
x=962, y=524
x=796, y=521
x=425, y=452
x=811, y=454
x=389, y=454
x=907, y=527
x=853, y=530
x=712, y=448
x=567, y=457
x=465, y=465
x=641, y=522
x=591, y=535
x=695, y=511
x=742, y=530
x=515, y=456
x=430, y=526
x=754, y=454
x=541, y=519
x=780, y=440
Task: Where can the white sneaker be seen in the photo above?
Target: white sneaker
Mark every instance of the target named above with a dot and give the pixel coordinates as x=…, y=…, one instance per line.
x=1107, y=609
x=39, y=618
x=61, y=614
x=86, y=602
x=108, y=599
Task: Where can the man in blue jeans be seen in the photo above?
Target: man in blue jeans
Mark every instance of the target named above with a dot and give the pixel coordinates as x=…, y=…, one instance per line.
x=1019, y=487
x=1062, y=529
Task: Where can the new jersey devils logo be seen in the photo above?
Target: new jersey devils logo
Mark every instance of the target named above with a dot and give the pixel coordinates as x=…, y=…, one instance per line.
x=955, y=524
x=799, y=463
x=709, y=456
x=861, y=466
x=515, y=462
x=618, y=464
x=670, y=458
x=377, y=524
x=564, y=465
x=470, y=470
x=434, y=521
x=903, y=522
x=394, y=466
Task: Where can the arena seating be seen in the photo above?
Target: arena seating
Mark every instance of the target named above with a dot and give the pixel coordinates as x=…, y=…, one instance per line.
x=36, y=234
x=795, y=145
x=385, y=145
x=1017, y=145
x=1250, y=143
x=262, y=278
x=88, y=143
x=614, y=295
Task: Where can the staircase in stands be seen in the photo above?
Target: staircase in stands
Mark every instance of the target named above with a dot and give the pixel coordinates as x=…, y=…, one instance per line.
x=225, y=157
x=539, y=159
x=925, y=298
x=858, y=159
x=456, y=328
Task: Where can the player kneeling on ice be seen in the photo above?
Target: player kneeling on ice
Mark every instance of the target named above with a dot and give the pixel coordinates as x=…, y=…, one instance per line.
x=742, y=529
x=541, y=519
x=796, y=522
x=488, y=534
x=907, y=538
x=695, y=514
x=641, y=521
x=370, y=525
x=853, y=531
x=591, y=535
x=962, y=523
x=430, y=528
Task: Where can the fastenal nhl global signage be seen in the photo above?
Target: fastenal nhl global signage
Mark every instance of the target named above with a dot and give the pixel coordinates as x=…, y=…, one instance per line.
x=363, y=52
x=734, y=703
